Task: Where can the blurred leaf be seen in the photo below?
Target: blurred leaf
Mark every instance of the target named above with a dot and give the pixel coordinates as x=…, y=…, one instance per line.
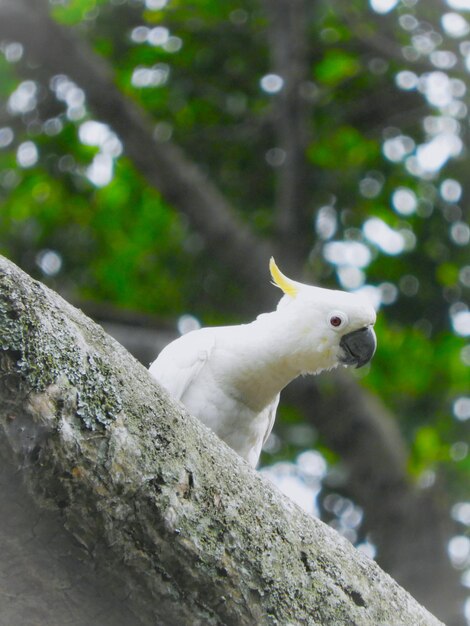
x=427, y=450
x=74, y=11
x=447, y=274
x=336, y=66
x=344, y=148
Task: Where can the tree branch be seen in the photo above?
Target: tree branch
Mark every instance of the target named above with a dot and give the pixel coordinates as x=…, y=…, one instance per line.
x=287, y=37
x=187, y=527
x=46, y=576
x=409, y=526
x=397, y=513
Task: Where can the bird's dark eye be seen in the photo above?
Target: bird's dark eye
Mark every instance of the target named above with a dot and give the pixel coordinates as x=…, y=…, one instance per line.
x=337, y=320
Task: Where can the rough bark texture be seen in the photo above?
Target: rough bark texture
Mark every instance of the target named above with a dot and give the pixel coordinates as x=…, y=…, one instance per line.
x=409, y=525
x=184, y=528
x=417, y=518
x=46, y=576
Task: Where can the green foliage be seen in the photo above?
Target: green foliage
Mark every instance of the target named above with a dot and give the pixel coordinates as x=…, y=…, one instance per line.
x=76, y=11
x=346, y=142
x=336, y=67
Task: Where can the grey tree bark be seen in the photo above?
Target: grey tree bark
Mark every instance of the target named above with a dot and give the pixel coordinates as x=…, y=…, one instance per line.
x=172, y=520
x=409, y=524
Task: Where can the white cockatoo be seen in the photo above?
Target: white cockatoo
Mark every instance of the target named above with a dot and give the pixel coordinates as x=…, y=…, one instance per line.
x=230, y=377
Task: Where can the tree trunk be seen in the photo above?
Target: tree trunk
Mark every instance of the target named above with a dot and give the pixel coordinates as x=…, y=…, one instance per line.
x=174, y=520
x=410, y=526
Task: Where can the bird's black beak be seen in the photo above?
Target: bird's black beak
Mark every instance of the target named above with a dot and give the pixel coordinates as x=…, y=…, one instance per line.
x=358, y=346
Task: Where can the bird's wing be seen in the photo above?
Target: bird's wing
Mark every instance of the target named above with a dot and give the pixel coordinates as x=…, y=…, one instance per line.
x=180, y=362
x=272, y=416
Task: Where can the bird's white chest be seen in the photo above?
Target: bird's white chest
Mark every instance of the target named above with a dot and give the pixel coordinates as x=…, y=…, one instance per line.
x=219, y=408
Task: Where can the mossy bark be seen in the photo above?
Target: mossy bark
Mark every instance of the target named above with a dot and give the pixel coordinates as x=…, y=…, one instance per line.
x=174, y=518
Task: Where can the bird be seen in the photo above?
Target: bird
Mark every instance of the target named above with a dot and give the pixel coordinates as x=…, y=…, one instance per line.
x=230, y=377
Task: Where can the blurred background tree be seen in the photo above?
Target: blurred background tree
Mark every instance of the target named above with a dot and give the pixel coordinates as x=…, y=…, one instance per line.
x=154, y=154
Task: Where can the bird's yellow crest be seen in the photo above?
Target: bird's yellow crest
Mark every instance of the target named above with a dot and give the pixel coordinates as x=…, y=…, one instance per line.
x=288, y=286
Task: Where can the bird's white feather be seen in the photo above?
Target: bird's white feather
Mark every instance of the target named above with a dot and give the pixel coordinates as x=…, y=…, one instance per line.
x=197, y=369
x=230, y=377
x=180, y=362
